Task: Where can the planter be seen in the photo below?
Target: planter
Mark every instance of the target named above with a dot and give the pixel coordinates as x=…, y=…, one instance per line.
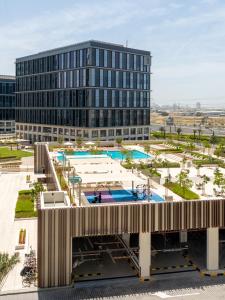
x=23, y=240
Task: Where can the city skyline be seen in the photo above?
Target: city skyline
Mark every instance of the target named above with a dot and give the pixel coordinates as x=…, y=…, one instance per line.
x=186, y=40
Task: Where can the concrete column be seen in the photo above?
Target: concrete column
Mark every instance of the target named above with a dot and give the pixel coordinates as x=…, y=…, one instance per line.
x=183, y=236
x=144, y=255
x=126, y=238
x=212, y=249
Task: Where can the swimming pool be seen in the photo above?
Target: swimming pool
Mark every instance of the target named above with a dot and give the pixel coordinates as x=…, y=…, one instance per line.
x=119, y=196
x=114, y=154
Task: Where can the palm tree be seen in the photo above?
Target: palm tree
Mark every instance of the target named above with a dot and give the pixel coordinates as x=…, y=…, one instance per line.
x=60, y=140
x=163, y=131
x=79, y=141
x=119, y=141
x=157, y=153
x=199, y=133
x=184, y=160
x=179, y=130
x=205, y=180
x=147, y=148
x=194, y=132
x=207, y=145
x=124, y=153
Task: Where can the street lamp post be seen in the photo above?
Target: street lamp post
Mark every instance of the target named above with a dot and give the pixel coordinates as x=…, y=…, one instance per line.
x=73, y=180
x=68, y=171
x=79, y=187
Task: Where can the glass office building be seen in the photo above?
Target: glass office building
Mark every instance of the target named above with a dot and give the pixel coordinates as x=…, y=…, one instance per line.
x=93, y=90
x=7, y=104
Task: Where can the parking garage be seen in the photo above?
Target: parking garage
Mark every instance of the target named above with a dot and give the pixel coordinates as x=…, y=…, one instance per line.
x=118, y=256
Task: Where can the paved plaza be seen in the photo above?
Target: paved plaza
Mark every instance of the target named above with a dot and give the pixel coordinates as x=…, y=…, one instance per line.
x=10, y=184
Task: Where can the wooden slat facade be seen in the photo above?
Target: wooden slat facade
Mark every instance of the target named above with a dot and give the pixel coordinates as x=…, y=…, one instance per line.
x=57, y=227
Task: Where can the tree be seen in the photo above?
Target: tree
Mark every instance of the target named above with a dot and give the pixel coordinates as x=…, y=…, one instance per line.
x=205, y=180
x=163, y=131
x=219, y=179
x=36, y=190
x=199, y=133
x=191, y=146
x=184, y=160
x=207, y=145
x=60, y=140
x=157, y=153
x=79, y=141
x=124, y=153
x=98, y=142
x=194, y=132
x=220, y=150
x=184, y=181
x=119, y=141
x=179, y=130
x=147, y=148
x=213, y=139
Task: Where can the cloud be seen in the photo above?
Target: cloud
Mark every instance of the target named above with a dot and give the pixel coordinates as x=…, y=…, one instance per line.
x=186, y=38
x=58, y=28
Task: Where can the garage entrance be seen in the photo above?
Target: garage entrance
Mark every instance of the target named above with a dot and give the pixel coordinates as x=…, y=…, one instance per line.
x=102, y=257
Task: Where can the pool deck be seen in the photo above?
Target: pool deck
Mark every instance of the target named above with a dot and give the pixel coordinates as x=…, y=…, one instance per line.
x=95, y=171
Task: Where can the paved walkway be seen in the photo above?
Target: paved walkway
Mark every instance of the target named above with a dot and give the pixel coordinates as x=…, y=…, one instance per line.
x=10, y=184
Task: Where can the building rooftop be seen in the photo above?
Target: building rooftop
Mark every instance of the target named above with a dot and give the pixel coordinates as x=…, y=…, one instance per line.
x=7, y=77
x=86, y=44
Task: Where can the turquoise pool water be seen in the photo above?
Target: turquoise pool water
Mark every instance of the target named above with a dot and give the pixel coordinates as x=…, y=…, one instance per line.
x=119, y=196
x=114, y=154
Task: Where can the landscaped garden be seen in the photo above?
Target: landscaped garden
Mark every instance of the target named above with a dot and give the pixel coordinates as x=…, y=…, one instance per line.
x=6, y=153
x=25, y=206
x=182, y=187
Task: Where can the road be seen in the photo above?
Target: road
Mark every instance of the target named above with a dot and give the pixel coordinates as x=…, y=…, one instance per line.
x=188, y=286
x=189, y=129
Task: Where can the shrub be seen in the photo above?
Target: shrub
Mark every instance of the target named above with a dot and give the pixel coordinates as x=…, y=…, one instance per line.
x=25, y=192
x=7, y=263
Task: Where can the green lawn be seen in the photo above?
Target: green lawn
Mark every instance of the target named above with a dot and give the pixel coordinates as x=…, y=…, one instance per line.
x=5, y=152
x=25, y=205
x=184, y=193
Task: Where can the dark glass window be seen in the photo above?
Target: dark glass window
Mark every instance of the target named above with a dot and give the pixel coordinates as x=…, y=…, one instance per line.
x=93, y=56
x=117, y=60
x=105, y=78
x=124, y=64
x=109, y=58
x=101, y=57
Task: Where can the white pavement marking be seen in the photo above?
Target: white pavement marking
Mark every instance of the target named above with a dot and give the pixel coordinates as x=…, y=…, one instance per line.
x=163, y=295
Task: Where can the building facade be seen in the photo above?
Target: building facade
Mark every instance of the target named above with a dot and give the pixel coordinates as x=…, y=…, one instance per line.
x=7, y=104
x=93, y=90
x=59, y=225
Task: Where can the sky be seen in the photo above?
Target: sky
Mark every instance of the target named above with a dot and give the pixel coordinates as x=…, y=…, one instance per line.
x=186, y=38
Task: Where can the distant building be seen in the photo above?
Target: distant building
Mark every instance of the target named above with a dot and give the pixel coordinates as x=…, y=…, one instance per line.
x=93, y=90
x=7, y=104
x=198, y=105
